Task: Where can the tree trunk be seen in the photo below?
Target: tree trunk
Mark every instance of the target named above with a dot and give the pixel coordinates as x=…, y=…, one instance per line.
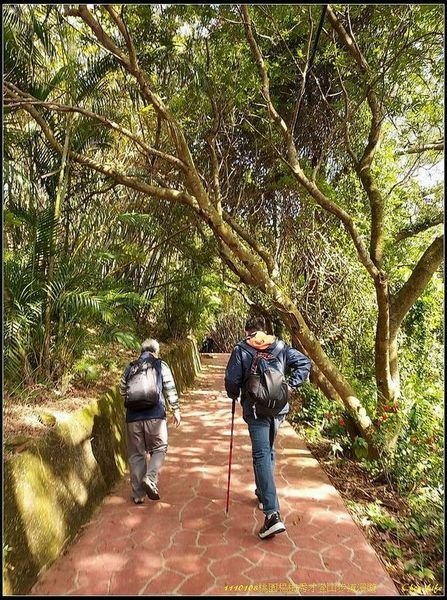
x=243, y=255
x=387, y=391
x=60, y=194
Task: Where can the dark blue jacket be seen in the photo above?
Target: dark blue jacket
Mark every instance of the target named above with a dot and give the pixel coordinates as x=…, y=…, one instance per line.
x=295, y=365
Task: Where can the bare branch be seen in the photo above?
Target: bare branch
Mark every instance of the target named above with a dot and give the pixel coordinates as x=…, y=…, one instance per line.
x=405, y=178
x=132, y=182
x=124, y=32
x=374, y=138
x=417, y=228
x=298, y=104
x=30, y=100
x=262, y=69
x=211, y=141
x=250, y=241
x=422, y=148
x=105, y=40
x=347, y=40
x=403, y=300
x=376, y=109
x=292, y=156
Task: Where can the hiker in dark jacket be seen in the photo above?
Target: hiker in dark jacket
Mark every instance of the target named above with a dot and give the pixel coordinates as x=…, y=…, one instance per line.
x=147, y=432
x=263, y=429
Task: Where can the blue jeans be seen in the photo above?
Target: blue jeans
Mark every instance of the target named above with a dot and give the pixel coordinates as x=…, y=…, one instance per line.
x=263, y=432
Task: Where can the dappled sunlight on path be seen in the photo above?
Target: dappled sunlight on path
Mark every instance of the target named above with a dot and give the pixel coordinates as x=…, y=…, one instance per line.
x=184, y=544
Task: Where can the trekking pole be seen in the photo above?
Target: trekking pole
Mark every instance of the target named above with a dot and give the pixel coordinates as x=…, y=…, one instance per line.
x=233, y=407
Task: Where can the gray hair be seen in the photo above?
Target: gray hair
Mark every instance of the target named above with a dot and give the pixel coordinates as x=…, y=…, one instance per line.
x=150, y=345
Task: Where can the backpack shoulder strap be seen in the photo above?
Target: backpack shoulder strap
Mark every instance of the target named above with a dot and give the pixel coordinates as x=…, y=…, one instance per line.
x=158, y=367
x=278, y=349
x=253, y=353
x=138, y=365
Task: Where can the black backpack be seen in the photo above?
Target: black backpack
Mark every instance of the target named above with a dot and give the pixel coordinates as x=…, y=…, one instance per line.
x=142, y=388
x=265, y=385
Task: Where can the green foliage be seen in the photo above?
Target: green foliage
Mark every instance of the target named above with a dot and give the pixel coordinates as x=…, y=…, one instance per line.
x=422, y=341
x=418, y=460
x=87, y=371
x=427, y=518
x=322, y=418
x=127, y=339
x=7, y=550
x=360, y=448
x=52, y=299
x=381, y=518
x=89, y=262
x=191, y=303
x=413, y=567
x=394, y=552
x=148, y=268
x=416, y=536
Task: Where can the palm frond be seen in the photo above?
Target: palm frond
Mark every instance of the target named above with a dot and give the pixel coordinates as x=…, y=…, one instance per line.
x=87, y=136
x=92, y=80
x=129, y=340
x=138, y=219
x=77, y=304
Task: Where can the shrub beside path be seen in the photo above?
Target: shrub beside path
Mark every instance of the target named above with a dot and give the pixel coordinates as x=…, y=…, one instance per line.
x=184, y=544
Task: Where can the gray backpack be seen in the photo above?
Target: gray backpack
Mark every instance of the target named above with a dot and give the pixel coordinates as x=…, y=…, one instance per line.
x=142, y=385
x=265, y=385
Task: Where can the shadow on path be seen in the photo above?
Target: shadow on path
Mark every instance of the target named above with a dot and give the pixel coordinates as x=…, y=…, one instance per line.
x=185, y=545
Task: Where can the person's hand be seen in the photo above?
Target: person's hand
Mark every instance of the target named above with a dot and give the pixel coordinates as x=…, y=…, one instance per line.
x=176, y=419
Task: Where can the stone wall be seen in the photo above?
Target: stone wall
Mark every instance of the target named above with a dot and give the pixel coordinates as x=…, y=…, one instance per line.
x=52, y=487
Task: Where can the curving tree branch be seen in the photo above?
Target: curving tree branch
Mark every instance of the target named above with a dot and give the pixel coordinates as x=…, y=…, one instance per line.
x=13, y=101
x=131, y=182
x=117, y=19
x=422, y=148
x=363, y=166
x=403, y=300
x=419, y=227
x=292, y=155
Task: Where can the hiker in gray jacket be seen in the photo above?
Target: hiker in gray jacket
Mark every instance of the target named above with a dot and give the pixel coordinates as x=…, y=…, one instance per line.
x=147, y=432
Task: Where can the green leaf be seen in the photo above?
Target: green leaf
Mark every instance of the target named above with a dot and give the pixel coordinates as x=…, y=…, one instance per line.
x=360, y=448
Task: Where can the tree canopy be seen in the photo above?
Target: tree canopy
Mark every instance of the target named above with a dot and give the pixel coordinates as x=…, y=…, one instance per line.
x=288, y=142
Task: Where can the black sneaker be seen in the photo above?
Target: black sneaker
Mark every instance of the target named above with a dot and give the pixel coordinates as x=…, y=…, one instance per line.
x=150, y=487
x=272, y=525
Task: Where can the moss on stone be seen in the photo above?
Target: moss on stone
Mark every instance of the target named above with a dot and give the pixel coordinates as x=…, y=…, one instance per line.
x=47, y=418
x=53, y=486
x=184, y=360
x=17, y=440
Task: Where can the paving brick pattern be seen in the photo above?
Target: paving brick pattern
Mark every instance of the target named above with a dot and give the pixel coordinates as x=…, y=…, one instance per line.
x=184, y=544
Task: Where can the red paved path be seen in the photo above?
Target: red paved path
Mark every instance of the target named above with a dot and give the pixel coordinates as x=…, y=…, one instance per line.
x=185, y=545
